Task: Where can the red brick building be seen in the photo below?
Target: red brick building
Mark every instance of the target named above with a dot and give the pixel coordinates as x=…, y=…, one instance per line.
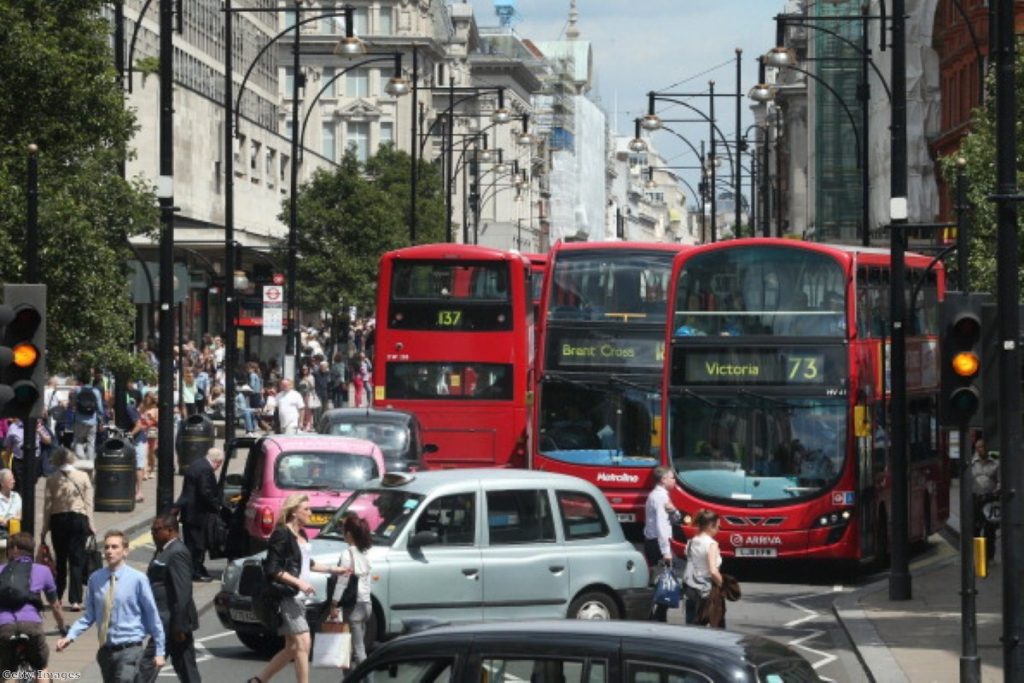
x=960, y=76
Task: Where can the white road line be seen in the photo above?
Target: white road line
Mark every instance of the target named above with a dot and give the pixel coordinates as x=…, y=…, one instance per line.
x=202, y=654
x=810, y=615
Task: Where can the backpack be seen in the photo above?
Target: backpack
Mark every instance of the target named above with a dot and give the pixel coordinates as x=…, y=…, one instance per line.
x=15, y=590
x=85, y=401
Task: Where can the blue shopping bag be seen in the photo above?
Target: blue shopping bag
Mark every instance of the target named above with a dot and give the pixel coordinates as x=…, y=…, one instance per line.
x=667, y=588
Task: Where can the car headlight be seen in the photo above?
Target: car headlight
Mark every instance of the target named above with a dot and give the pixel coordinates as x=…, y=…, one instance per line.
x=229, y=582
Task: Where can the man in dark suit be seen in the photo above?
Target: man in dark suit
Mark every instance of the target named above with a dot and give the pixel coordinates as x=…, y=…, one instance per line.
x=197, y=505
x=170, y=573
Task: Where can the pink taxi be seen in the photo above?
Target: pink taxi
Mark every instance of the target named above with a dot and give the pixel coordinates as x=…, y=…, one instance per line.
x=325, y=468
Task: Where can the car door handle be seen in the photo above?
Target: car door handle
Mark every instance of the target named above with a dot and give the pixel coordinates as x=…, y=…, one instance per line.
x=471, y=572
x=556, y=569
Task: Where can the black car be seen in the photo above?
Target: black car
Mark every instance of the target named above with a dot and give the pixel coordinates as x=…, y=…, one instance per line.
x=396, y=432
x=578, y=651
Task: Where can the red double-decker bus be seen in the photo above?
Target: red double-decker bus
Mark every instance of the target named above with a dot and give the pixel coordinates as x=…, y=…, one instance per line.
x=777, y=407
x=598, y=411
x=455, y=346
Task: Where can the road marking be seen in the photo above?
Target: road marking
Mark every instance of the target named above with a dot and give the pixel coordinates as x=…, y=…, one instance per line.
x=812, y=633
x=142, y=541
x=202, y=654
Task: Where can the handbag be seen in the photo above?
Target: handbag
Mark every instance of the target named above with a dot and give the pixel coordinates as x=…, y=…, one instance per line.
x=216, y=536
x=45, y=557
x=332, y=647
x=667, y=589
x=351, y=592
x=93, y=557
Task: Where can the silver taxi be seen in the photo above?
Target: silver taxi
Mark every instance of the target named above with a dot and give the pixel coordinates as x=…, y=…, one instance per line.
x=474, y=545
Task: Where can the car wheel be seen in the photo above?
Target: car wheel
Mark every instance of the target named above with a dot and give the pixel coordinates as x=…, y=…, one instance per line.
x=260, y=642
x=594, y=605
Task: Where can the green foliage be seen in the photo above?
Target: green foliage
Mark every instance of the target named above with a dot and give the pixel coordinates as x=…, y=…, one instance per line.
x=350, y=216
x=978, y=149
x=62, y=94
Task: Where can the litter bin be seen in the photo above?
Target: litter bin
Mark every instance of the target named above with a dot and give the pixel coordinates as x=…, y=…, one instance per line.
x=114, y=476
x=195, y=437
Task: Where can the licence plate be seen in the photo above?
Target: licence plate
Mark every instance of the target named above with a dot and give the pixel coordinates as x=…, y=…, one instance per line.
x=318, y=520
x=757, y=552
x=626, y=517
x=244, y=615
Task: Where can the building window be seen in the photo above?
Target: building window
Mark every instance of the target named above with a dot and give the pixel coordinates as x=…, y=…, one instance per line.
x=359, y=139
x=288, y=129
x=327, y=76
x=361, y=21
x=384, y=21
x=271, y=154
x=327, y=141
x=254, y=160
x=387, y=133
x=358, y=83
x=289, y=82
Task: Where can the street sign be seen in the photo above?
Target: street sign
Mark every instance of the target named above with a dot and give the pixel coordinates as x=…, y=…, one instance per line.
x=278, y=279
x=273, y=310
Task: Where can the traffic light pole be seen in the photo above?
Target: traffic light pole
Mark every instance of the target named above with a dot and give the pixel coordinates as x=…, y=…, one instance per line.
x=970, y=663
x=27, y=482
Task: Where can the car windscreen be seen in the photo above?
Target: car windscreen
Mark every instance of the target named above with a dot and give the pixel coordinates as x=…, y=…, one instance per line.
x=319, y=470
x=386, y=511
x=391, y=437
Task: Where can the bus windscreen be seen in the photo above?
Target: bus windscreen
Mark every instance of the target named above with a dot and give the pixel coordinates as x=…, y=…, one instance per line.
x=766, y=291
x=623, y=287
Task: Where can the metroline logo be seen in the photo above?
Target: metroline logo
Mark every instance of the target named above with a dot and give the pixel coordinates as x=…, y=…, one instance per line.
x=622, y=478
x=737, y=540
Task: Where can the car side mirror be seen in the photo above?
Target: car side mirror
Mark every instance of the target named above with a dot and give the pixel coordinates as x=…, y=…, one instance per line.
x=430, y=448
x=422, y=538
x=234, y=480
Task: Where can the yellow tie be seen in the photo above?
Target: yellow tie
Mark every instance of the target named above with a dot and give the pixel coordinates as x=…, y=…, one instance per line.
x=108, y=609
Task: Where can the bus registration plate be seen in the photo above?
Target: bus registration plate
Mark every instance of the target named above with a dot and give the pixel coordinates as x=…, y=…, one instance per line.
x=626, y=516
x=757, y=552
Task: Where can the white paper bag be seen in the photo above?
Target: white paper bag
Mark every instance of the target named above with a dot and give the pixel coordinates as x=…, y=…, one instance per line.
x=332, y=650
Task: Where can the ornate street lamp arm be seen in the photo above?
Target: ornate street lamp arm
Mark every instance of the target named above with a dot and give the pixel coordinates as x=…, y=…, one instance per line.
x=681, y=137
x=860, y=51
x=451, y=108
x=252, y=65
x=701, y=114
x=329, y=83
x=135, y=36
x=842, y=103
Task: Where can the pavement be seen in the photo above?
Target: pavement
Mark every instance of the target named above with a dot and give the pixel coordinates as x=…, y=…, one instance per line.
x=919, y=640
x=80, y=657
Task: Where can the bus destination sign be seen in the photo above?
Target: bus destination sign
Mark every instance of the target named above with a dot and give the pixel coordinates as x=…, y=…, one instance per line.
x=573, y=352
x=758, y=366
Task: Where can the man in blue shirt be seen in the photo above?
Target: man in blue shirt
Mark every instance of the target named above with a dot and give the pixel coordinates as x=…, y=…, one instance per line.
x=88, y=415
x=124, y=617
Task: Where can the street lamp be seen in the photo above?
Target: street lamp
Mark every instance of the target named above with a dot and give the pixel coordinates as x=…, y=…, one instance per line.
x=637, y=144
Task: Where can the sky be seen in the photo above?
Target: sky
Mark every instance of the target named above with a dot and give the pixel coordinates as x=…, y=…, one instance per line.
x=660, y=45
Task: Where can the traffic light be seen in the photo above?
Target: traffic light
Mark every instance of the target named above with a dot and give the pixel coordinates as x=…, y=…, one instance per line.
x=22, y=363
x=961, y=353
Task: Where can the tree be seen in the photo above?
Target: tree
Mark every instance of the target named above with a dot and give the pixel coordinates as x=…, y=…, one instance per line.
x=62, y=94
x=978, y=149
x=350, y=216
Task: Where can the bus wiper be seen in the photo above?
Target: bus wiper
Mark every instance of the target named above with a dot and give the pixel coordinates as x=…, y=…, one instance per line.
x=767, y=399
x=619, y=379
x=578, y=383
x=692, y=394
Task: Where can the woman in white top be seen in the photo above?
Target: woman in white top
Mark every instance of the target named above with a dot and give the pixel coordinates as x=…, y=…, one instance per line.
x=703, y=560
x=10, y=504
x=354, y=561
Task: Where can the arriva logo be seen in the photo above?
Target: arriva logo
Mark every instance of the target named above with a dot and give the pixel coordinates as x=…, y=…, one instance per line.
x=737, y=540
x=618, y=478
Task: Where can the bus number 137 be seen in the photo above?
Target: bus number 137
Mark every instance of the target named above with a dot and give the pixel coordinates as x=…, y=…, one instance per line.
x=449, y=318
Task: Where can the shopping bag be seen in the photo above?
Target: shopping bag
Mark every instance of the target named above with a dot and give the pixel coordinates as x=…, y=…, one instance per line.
x=332, y=647
x=93, y=557
x=667, y=588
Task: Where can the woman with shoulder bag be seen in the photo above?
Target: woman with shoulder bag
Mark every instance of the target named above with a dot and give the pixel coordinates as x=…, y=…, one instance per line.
x=67, y=512
x=356, y=564
x=703, y=560
x=289, y=562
